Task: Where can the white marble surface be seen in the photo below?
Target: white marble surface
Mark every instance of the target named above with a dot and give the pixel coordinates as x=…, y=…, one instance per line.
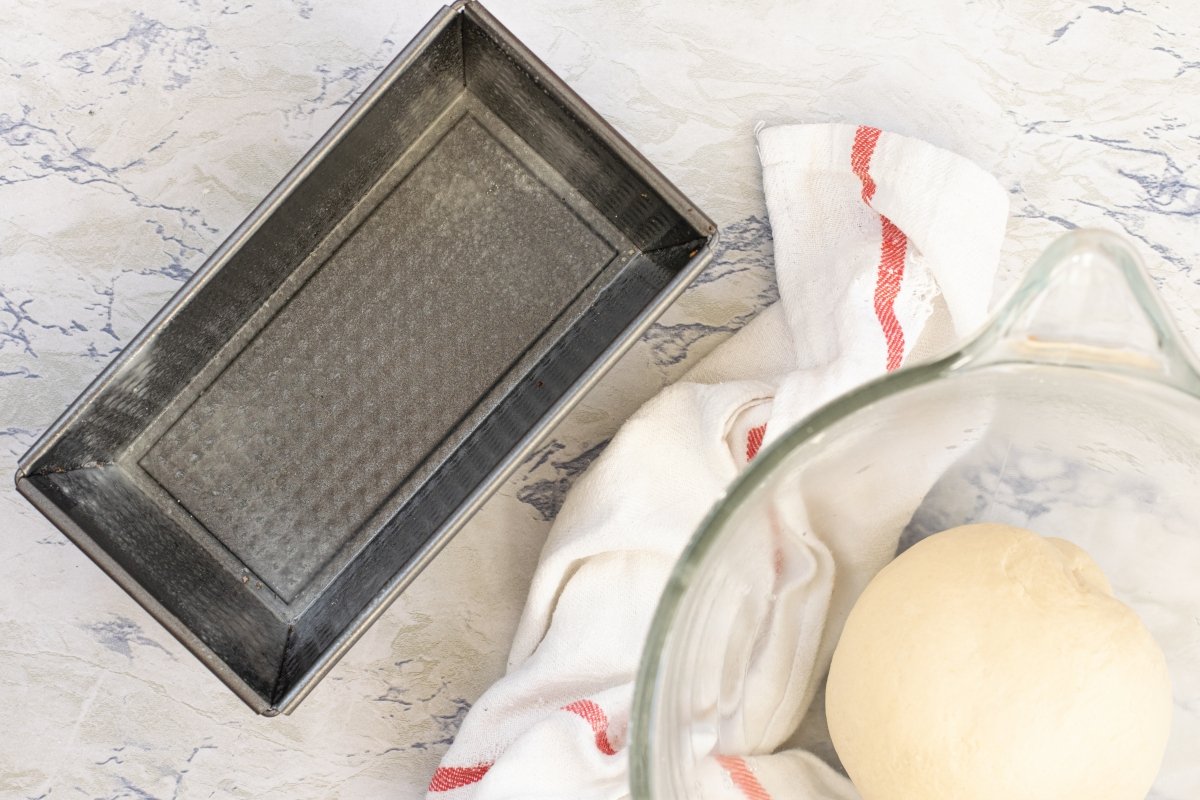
x=134, y=135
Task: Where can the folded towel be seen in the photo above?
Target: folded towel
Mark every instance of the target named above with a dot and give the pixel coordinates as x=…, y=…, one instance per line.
x=885, y=253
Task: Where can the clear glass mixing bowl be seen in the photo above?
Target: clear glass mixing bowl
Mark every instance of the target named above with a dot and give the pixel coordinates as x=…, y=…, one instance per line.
x=1074, y=413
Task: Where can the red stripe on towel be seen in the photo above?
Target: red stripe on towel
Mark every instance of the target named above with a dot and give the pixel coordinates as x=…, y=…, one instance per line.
x=743, y=778
x=595, y=717
x=865, y=139
x=887, y=287
x=447, y=778
x=890, y=273
x=754, y=440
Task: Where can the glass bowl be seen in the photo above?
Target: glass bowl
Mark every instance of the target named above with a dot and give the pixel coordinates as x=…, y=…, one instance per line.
x=1074, y=413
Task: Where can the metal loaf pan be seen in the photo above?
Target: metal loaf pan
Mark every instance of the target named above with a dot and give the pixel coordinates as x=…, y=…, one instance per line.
x=348, y=377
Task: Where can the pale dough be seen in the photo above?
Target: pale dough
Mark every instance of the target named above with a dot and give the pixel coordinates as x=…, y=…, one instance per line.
x=989, y=663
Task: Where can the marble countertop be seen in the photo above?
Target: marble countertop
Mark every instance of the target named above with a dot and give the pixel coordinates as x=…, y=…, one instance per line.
x=134, y=136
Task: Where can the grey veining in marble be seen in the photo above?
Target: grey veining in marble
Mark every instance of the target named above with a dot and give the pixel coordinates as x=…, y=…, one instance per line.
x=135, y=135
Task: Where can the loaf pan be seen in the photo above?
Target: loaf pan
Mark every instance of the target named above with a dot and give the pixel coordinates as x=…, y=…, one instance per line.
x=360, y=364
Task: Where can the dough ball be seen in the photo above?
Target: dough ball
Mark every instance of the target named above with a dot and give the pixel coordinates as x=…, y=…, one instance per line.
x=989, y=663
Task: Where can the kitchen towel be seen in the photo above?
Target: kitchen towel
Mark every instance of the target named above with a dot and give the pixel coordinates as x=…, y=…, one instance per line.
x=885, y=253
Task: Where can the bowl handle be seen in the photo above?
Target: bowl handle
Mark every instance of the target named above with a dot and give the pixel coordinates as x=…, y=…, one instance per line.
x=1088, y=302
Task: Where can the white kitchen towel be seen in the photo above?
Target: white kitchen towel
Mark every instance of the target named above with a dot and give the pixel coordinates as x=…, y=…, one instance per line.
x=885, y=251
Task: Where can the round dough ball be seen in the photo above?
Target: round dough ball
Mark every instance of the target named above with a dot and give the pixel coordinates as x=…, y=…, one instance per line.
x=989, y=663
